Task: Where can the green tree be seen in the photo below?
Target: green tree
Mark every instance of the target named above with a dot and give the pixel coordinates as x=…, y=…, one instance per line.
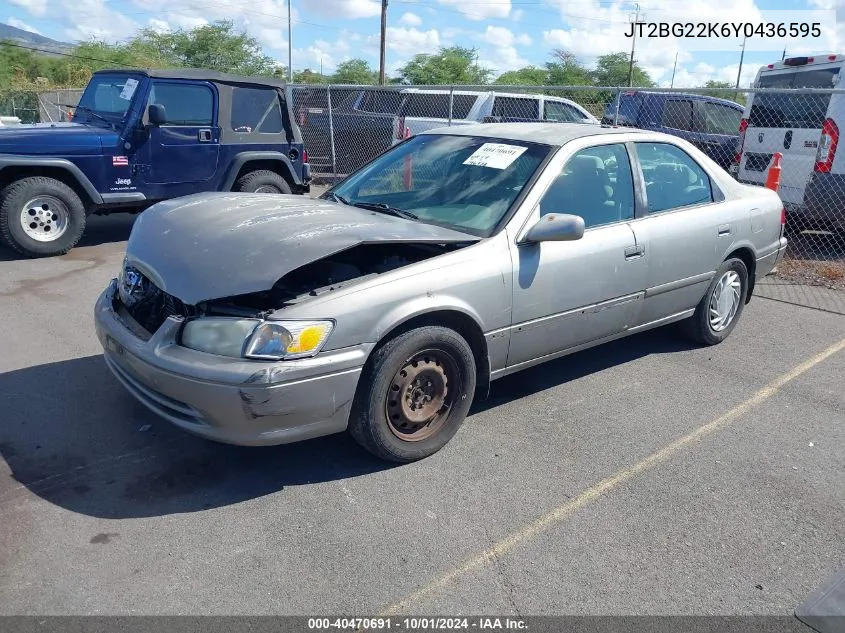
x=612, y=70
x=564, y=69
x=452, y=65
x=354, y=71
x=308, y=76
x=216, y=46
x=528, y=76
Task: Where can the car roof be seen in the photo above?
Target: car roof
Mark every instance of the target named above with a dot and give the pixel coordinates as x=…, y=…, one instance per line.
x=687, y=95
x=196, y=74
x=556, y=134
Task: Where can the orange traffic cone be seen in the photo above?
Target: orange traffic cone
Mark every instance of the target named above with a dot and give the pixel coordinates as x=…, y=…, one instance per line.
x=773, y=179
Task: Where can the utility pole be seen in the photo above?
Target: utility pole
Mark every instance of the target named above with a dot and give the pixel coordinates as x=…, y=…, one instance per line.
x=290, y=45
x=633, y=44
x=739, y=72
x=674, y=68
x=383, y=39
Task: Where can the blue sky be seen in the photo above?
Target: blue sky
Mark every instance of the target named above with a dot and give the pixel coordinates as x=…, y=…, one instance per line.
x=508, y=34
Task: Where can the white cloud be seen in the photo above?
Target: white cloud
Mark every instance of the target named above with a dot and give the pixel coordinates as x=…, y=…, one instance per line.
x=410, y=19
x=517, y=15
x=34, y=7
x=274, y=39
x=23, y=26
x=321, y=53
x=352, y=9
x=501, y=36
x=479, y=11
x=503, y=59
x=409, y=41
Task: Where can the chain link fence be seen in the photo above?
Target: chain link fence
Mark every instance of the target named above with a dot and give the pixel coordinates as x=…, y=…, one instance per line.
x=344, y=127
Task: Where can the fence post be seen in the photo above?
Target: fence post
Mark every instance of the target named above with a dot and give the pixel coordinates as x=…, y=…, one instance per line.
x=331, y=133
x=451, y=101
x=618, y=101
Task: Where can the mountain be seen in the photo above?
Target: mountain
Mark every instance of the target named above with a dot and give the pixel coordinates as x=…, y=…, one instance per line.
x=19, y=36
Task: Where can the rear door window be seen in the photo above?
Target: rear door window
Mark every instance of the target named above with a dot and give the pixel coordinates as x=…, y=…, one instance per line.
x=255, y=110
x=673, y=179
x=436, y=106
x=720, y=119
x=557, y=111
x=517, y=107
x=677, y=114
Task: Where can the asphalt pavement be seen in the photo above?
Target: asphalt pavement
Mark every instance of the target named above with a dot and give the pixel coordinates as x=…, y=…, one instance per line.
x=647, y=476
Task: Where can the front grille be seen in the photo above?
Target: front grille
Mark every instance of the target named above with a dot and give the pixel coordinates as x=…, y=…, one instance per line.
x=146, y=303
x=757, y=162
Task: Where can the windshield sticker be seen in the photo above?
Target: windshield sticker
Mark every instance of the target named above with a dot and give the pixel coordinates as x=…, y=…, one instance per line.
x=495, y=155
x=128, y=89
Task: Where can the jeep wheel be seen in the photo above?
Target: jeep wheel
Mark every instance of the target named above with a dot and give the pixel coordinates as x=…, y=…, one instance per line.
x=41, y=217
x=262, y=181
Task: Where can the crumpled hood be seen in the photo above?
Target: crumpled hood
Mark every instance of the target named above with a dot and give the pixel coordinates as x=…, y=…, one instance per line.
x=55, y=138
x=215, y=245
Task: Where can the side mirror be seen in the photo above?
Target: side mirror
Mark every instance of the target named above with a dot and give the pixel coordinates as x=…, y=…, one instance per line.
x=156, y=114
x=556, y=227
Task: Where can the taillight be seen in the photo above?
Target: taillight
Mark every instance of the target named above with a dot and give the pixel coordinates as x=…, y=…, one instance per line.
x=304, y=155
x=400, y=132
x=827, y=146
x=302, y=118
x=783, y=216
x=743, y=125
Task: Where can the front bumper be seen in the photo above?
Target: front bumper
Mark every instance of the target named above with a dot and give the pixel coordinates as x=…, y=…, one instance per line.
x=236, y=401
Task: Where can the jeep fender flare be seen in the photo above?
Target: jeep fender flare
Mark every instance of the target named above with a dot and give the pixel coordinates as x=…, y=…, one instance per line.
x=246, y=157
x=54, y=163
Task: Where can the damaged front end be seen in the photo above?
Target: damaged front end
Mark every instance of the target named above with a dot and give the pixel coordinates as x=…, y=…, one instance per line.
x=149, y=306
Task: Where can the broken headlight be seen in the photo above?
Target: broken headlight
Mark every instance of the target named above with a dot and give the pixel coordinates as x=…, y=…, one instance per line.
x=252, y=338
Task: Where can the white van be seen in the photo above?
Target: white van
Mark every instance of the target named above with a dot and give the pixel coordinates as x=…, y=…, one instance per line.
x=804, y=128
x=423, y=110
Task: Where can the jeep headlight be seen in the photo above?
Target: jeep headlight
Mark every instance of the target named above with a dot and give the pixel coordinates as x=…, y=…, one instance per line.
x=253, y=338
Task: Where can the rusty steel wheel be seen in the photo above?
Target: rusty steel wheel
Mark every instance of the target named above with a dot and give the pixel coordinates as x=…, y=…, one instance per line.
x=419, y=400
x=414, y=393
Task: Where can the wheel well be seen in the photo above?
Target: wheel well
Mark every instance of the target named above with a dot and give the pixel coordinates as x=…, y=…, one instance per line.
x=464, y=325
x=747, y=257
x=269, y=165
x=15, y=173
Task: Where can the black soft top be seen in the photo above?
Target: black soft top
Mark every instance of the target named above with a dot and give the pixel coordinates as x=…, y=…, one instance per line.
x=197, y=74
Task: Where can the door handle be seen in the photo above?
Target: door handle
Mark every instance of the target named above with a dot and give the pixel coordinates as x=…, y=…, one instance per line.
x=634, y=252
x=725, y=229
x=204, y=136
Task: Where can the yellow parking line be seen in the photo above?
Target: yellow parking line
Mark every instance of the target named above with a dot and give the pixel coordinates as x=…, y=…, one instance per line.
x=593, y=493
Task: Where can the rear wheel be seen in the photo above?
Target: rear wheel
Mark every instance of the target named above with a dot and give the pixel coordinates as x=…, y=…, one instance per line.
x=414, y=394
x=719, y=310
x=41, y=217
x=262, y=181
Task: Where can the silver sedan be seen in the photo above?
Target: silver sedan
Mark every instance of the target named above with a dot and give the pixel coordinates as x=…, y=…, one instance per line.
x=457, y=257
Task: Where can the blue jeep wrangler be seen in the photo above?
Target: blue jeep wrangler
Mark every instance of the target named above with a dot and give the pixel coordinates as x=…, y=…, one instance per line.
x=138, y=137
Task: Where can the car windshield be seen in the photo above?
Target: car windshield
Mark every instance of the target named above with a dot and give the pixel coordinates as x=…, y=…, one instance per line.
x=108, y=96
x=463, y=182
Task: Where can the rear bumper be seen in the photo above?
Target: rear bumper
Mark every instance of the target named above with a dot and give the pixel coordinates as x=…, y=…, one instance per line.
x=767, y=263
x=824, y=200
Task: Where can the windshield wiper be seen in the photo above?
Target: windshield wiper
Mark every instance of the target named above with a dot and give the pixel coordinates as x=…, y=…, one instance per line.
x=386, y=208
x=336, y=198
x=88, y=110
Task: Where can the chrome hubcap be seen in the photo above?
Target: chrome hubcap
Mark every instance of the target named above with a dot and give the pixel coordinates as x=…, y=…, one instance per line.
x=725, y=301
x=44, y=219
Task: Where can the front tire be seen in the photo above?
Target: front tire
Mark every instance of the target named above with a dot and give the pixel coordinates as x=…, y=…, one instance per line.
x=414, y=394
x=719, y=310
x=41, y=217
x=262, y=181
